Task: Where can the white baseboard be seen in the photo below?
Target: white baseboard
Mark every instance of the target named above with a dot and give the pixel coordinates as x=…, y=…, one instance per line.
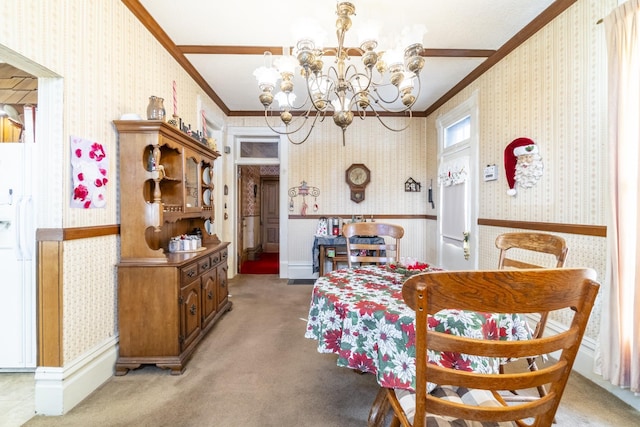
x=58, y=390
x=298, y=271
x=584, y=365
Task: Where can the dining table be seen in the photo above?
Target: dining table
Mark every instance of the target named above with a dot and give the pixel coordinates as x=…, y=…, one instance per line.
x=358, y=314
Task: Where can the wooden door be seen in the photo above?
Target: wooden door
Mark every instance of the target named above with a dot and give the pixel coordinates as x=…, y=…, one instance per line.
x=223, y=290
x=190, y=325
x=209, y=297
x=270, y=213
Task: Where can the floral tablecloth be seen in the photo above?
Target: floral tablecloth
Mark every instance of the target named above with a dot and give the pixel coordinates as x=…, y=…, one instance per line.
x=359, y=314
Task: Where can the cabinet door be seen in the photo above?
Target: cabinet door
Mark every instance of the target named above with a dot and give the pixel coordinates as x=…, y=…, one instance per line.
x=209, y=296
x=192, y=183
x=223, y=291
x=207, y=187
x=190, y=313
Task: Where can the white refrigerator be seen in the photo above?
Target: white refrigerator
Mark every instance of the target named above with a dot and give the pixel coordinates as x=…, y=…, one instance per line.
x=17, y=258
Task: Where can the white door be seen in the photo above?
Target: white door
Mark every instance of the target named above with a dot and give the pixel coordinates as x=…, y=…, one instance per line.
x=458, y=188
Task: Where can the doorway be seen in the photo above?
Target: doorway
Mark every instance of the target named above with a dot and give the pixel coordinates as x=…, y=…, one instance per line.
x=17, y=218
x=458, y=187
x=259, y=207
x=257, y=146
x=45, y=159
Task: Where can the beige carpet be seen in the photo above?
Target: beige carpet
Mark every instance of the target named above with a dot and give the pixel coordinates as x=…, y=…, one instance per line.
x=255, y=368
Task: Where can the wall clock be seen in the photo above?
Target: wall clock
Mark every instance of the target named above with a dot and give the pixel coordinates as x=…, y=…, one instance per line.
x=357, y=177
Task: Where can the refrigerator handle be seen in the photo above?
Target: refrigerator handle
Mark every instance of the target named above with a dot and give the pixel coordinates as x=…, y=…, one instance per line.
x=25, y=227
x=17, y=223
x=21, y=224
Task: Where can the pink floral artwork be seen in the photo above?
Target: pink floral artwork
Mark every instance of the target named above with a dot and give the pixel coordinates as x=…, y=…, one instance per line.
x=89, y=165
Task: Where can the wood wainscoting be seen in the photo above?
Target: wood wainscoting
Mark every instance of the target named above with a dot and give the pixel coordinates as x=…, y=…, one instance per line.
x=49, y=285
x=549, y=227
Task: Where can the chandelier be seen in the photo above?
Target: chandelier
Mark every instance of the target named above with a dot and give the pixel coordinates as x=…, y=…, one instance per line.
x=384, y=81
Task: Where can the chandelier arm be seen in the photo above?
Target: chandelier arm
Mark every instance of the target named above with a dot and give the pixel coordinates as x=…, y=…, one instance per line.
x=405, y=108
x=380, y=99
x=330, y=70
x=342, y=90
x=325, y=99
x=393, y=129
x=279, y=132
x=288, y=131
x=362, y=113
x=356, y=76
x=308, y=133
x=301, y=106
x=379, y=82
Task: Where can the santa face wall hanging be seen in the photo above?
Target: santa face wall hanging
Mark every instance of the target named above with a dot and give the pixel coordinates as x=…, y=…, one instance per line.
x=522, y=164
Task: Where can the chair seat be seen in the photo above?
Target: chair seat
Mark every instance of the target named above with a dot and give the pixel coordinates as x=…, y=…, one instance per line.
x=475, y=397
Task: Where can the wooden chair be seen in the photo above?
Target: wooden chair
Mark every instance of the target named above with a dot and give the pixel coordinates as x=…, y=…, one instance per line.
x=374, y=252
x=471, y=396
x=514, y=245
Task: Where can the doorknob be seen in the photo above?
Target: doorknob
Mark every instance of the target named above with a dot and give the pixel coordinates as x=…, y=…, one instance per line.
x=465, y=244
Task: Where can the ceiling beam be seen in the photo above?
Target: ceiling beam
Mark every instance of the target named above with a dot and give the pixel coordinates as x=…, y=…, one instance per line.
x=277, y=50
x=493, y=57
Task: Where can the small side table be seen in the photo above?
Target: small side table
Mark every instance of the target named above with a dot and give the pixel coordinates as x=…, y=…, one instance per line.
x=322, y=243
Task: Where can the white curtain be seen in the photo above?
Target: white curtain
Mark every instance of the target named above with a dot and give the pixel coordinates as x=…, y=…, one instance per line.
x=620, y=333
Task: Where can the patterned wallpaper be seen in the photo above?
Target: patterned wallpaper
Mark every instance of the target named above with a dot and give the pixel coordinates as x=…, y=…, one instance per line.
x=269, y=170
x=250, y=177
x=552, y=90
x=391, y=157
x=108, y=64
x=250, y=203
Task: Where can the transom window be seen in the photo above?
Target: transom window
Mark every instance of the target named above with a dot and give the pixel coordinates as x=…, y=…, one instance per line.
x=259, y=149
x=458, y=132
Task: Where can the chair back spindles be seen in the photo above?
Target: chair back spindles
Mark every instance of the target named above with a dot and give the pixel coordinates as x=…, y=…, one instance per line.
x=376, y=253
x=479, y=396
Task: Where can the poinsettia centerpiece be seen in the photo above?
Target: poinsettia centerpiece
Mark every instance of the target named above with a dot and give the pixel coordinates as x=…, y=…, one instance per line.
x=409, y=267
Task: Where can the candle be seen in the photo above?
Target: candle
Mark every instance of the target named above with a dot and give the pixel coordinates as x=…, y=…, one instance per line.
x=204, y=123
x=175, y=100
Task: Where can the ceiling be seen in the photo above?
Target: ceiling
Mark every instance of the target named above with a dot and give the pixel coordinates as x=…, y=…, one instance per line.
x=17, y=88
x=221, y=43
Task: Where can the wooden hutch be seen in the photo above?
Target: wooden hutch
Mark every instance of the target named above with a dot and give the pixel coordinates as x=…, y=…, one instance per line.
x=167, y=301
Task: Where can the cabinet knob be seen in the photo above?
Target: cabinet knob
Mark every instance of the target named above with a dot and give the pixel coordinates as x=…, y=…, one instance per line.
x=210, y=295
x=191, y=273
x=193, y=310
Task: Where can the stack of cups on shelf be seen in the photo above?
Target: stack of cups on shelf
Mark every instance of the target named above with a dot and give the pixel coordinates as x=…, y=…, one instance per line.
x=185, y=243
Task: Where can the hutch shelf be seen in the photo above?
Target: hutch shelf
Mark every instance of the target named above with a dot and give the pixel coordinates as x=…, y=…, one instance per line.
x=167, y=302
